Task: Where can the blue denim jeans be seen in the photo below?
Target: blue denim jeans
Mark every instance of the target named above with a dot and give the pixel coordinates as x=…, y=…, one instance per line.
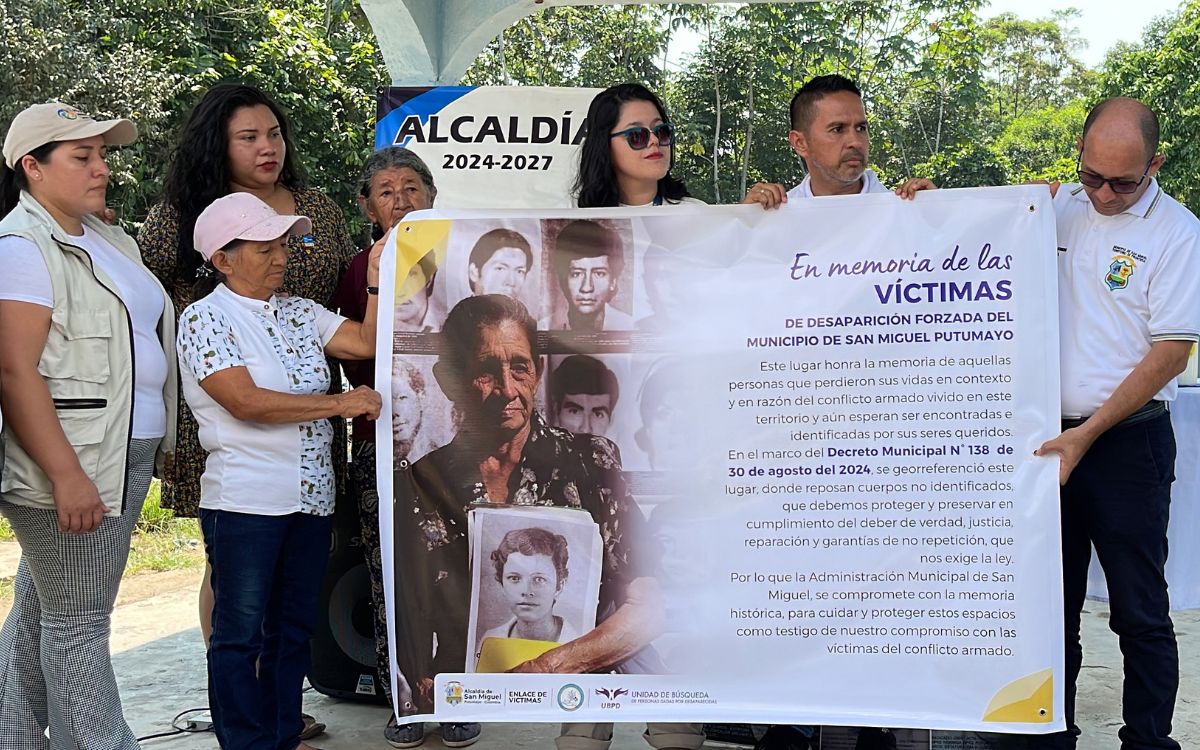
x=266, y=577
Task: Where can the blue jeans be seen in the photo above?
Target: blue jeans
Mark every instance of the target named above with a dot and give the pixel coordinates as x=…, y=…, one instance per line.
x=266, y=577
x=1119, y=499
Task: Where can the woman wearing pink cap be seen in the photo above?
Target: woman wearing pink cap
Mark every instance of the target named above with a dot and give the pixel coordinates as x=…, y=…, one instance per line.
x=88, y=390
x=255, y=375
x=237, y=139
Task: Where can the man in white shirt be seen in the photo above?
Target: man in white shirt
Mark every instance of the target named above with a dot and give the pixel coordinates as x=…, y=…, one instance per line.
x=829, y=131
x=1129, y=309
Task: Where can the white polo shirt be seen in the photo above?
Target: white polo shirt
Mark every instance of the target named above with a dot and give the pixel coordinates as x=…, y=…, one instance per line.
x=871, y=184
x=254, y=467
x=1125, y=282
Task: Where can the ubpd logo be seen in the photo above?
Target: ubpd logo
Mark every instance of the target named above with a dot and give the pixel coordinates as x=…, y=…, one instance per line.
x=454, y=692
x=570, y=697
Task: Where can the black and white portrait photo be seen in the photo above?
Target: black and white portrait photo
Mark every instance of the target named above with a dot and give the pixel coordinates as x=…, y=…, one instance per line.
x=495, y=257
x=582, y=394
x=537, y=582
x=591, y=271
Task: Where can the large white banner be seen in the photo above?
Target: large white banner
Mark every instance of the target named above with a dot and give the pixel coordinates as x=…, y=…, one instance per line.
x=795, y=446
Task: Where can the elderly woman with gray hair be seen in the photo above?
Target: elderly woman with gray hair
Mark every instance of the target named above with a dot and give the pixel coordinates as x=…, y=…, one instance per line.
x=394, y=182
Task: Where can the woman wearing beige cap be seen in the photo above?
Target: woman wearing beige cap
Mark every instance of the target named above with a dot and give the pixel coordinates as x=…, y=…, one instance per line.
x=87, y=366
x=255, y=375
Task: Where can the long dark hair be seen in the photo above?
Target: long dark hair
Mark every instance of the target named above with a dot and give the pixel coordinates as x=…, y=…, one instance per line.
x=596, y=184
x=199, y=170
x=13, y=181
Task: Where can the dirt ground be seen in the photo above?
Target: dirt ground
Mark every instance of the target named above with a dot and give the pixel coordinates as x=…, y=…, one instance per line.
x=133, y=589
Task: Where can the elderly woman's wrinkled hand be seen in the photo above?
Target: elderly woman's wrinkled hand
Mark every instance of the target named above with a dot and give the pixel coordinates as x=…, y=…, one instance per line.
x=540, y=665
x=360, y=402
x=373, y=261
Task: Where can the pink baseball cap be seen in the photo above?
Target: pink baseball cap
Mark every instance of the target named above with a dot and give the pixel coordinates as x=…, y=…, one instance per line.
x=242, y=216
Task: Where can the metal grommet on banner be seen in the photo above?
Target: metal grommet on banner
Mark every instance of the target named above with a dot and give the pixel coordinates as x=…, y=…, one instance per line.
x=1042, y=712
x=403, y=464
x=1032, y=208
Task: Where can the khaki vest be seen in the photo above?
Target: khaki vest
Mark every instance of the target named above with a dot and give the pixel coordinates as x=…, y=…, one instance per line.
x=87, y=363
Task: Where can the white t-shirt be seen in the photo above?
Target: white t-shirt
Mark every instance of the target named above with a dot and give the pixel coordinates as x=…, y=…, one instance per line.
x=1125, y=282
x=26, y=279
x=871, y=184
x=686, y=201
x=255, y=467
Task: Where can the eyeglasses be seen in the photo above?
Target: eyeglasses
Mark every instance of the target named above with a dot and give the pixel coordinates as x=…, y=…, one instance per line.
x=1095, y=181
x=638, y=137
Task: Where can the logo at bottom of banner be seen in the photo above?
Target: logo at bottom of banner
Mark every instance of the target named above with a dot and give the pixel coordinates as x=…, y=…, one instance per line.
x=456, y=693
x=556, y=696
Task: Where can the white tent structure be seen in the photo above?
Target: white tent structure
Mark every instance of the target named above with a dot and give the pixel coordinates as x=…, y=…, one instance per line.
x=433, y=42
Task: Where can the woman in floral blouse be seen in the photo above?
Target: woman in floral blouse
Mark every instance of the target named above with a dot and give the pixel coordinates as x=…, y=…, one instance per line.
x=255, y=375
x=505, y=453
x=236, y=139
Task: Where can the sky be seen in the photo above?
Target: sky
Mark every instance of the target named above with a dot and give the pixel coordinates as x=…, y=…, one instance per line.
x=1102, y=24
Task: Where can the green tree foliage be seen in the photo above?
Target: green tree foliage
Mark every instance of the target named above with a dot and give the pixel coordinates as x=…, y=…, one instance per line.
x=569, y=46
x=950, y=95
x=941, y=87
x=1032, y=64
x=1041, y=145
x=151, y=60
x=1164, y=72
x=75, y=53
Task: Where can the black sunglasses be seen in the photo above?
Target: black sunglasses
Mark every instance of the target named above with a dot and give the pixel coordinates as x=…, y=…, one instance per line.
x=638, y=137
x=1095, y=181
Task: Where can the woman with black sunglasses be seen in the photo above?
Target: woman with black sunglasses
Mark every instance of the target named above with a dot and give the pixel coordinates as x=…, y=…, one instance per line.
x=626, y=161
x=627, y=156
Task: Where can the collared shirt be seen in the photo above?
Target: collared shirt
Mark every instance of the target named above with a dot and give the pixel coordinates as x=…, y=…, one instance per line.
x=870, y=180
x=557, y=468
x=1125, y=282
x=254, y=467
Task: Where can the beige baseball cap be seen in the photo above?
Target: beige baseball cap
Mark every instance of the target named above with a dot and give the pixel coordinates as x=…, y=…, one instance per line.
x=46, y=123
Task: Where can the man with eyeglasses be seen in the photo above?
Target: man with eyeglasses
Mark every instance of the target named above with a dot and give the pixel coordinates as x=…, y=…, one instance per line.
x=829, y=131
x=1129, y=310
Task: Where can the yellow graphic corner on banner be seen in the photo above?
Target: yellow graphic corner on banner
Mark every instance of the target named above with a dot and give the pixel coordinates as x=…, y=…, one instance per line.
x=415, y=241
x=502, y=654
x=1028, y=700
